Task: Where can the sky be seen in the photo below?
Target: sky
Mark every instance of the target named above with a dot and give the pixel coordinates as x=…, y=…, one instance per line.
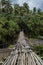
x=31, y=3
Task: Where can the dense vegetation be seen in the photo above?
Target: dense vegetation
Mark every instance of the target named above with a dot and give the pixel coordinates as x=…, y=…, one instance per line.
x=14, y=19
x=38, y=49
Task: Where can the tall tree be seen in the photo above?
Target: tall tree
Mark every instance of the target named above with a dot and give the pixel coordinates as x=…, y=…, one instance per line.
x=26, y=7
x=0, y=6
x=7, y=8
x=16, y=9
x=34, y=10
x=39, y=11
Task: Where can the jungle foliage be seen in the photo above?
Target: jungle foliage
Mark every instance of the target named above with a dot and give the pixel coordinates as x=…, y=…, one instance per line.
x=14, y=19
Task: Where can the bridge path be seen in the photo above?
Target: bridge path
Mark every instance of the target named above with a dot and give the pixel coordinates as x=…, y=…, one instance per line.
x=22, y=54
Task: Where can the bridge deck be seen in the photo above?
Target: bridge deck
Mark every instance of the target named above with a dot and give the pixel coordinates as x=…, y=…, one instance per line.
x=22, y=54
